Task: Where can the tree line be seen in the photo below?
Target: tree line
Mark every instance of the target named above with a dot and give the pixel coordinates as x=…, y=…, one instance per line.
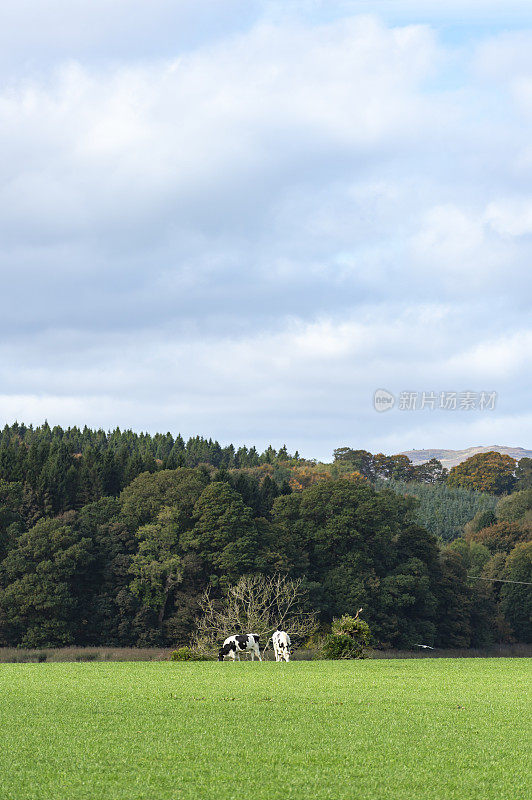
x=491, y=472
x=104, y=540
x=131, y=570
x=59, y=470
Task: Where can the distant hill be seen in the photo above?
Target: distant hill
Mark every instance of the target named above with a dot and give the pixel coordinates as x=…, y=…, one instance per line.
x=450, y=458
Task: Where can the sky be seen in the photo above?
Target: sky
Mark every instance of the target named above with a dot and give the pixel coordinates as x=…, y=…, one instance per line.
x=240, y=219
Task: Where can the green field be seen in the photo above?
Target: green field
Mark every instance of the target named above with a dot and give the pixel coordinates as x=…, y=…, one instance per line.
x=420, y=728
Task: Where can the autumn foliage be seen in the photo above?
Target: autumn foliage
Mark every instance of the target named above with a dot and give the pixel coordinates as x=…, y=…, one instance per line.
x=502, y=537
x=485, y=472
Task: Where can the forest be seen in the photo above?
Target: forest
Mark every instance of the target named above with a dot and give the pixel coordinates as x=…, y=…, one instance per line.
x=111, y=538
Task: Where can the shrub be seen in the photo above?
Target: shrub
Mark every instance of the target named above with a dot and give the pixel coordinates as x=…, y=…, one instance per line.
x=188, y=654
x=350, y=638
x=182, y=654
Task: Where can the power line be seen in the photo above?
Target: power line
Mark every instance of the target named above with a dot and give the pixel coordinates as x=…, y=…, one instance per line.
x=498, y=580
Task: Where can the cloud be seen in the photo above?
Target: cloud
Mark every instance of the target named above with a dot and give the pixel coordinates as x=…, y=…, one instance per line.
x=456, y=12
x=34, y=35
x=241, y=118
x=309, y=384
x=499, y=358
x=504, y=57
x=511, y=217
x=243, y=235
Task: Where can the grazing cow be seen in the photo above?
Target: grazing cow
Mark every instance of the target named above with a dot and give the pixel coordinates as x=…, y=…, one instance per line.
x=234, y=645
x=281, y=645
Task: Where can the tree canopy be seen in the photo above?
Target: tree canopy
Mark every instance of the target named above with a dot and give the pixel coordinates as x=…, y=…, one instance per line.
x=485, y=472
x=114, y=538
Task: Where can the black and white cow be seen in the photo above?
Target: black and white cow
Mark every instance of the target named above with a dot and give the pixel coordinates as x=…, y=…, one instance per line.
x=234, y=645
x=281, y=645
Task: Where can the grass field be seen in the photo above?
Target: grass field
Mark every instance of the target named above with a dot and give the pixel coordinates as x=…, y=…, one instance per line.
x=442, y=728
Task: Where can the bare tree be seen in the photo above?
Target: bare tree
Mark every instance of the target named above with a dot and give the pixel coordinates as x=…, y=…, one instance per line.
x=256, y=604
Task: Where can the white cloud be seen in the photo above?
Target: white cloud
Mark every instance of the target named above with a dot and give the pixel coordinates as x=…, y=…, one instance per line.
x=308, y=384
x=93, y=146
x=504, y=57
x=498, y=358
x=449, y=235
x=511, y=217
x=245, y=237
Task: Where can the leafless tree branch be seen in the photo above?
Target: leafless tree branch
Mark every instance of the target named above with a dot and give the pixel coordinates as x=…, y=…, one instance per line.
x=256, y=604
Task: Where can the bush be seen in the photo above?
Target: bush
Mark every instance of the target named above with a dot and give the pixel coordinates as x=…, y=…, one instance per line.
x=350, y=638
x=182, y=654
x=188, y=654
x=338, y=646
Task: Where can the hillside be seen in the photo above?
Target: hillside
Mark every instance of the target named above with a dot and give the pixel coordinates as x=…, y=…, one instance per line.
x=450, y=458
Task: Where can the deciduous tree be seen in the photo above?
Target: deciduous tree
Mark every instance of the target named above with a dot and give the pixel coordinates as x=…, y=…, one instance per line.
x=486, y=472
x=255, y=604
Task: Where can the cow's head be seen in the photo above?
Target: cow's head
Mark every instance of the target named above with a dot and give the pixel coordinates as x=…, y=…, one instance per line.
x=223, y=651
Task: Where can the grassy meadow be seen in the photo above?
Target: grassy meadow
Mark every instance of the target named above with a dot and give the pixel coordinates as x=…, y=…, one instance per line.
x=377, y=730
